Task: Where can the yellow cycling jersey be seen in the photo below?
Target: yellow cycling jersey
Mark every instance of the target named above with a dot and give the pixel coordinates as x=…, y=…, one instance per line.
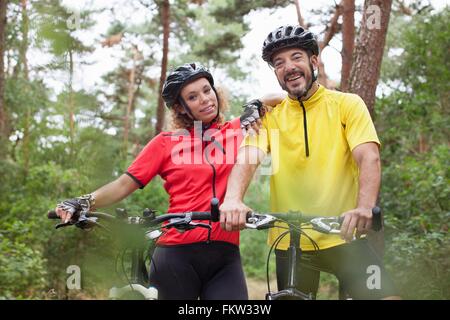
x=320, y=178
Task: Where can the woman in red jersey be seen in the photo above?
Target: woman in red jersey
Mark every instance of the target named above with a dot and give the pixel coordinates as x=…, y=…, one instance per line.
x=194, y=160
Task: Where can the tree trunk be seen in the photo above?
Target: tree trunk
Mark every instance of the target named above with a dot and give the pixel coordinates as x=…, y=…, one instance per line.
x=23, y=63
x=23, y=68
x=3, y=119
x=366, y=67
x=369, y=50
x=71, y=105
x=165, y=18
x=348, y=41
x=131, y=94
x=299, y=14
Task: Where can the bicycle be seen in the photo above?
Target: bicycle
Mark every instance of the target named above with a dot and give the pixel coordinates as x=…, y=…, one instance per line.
x=327, y=225
x=138, y=282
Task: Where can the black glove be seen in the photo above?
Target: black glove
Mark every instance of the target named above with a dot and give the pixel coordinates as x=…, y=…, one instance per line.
x=253, y=110
x=76, y=205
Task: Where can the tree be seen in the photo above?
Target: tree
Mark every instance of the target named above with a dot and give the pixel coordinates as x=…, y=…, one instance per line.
x=3, y=121
x=348, y=40
x=165, y=17
x=369, y=50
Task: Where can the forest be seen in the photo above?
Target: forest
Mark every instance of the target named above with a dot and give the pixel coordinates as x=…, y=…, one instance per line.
x=60, y=139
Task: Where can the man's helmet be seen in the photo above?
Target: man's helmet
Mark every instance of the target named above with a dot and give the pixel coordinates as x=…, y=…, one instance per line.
x=180, y=77
x=289, y=36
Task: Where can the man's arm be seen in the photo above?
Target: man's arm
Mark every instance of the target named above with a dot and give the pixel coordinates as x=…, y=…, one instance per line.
x=108, y=194
x=272, y=99
x=367, y=157
x=233, y=210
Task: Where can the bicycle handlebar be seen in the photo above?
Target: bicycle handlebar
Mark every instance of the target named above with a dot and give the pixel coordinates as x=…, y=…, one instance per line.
x=255, y=220
x=177, y=220
x=319, y=223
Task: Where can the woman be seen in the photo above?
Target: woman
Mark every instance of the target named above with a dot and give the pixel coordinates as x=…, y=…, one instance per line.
x=194, y=161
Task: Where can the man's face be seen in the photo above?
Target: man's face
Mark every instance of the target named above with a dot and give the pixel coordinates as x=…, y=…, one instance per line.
x=293, y=69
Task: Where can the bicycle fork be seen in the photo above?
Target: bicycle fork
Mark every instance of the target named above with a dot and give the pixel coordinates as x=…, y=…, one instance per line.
x=291, y=290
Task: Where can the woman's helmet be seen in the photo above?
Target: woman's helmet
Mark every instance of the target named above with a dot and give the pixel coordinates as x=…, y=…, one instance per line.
x=289, y=36
x=180, y=77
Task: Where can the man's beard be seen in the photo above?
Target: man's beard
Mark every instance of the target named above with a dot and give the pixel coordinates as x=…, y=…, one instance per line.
x=302, y=91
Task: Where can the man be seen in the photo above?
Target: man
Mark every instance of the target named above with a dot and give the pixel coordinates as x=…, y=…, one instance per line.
x=325, y=159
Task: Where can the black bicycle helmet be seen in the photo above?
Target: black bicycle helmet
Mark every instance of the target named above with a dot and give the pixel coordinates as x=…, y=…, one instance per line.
x=289, y=36
x=180, y=77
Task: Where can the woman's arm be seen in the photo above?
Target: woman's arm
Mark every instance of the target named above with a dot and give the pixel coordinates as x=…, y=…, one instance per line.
x=104, y=196
x=115, y=191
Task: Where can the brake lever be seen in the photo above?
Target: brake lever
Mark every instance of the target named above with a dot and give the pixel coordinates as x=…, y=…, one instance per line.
x=81, y=222
x=200, y=224
x=85, y=222
x=62, y=225
x=326, y=224
x=183, y=224
x=260, y=221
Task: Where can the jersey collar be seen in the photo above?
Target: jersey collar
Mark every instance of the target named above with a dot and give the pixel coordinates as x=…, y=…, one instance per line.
x=312, y=101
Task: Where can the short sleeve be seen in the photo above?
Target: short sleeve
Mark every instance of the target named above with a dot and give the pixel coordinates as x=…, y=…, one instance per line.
x=358, y=125
x=149, y=161
x=260, y=140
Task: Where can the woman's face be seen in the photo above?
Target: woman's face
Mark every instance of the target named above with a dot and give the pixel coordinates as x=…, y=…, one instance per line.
x=201, y=100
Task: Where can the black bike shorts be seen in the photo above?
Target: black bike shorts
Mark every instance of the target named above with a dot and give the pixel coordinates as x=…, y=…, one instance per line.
x=209, y=271
x=356, y=265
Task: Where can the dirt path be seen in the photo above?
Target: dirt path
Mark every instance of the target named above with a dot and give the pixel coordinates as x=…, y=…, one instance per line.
x=257, y=289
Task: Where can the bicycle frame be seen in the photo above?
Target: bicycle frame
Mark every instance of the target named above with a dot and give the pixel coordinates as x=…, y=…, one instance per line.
x=327, y=225
x=291, y=288
x=138, y=283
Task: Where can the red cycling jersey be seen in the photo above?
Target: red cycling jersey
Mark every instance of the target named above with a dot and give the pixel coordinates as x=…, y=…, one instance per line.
x=181, y=159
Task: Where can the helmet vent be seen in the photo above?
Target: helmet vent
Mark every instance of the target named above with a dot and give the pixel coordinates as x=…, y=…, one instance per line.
x=299, y=31
x=288, y=30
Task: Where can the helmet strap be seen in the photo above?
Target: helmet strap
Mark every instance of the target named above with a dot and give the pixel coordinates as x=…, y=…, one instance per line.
x=313, y=80
x=218, y=105
x=186, y=108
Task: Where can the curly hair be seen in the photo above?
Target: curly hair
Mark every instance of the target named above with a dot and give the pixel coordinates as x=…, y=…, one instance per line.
x=183, y=121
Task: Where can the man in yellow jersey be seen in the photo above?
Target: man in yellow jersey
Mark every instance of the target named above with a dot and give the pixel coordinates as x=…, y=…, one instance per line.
x=325, y=162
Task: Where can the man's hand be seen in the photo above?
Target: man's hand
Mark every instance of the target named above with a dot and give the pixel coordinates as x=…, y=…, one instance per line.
x=359, y=219
x=233, y=215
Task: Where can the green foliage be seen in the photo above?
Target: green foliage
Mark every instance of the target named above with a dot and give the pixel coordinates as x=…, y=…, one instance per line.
x=416, y=197
x=254, y=248
x=226, y=11
x=22, y=266
x=413, y=124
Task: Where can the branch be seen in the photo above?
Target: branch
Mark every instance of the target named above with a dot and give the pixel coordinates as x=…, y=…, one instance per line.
x=333, y=28
x=404, y=8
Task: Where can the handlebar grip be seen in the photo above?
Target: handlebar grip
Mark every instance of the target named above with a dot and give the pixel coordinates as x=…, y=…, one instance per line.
x=52, y=215
x=201, y=216
x=376, y=219
x=215, y=213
